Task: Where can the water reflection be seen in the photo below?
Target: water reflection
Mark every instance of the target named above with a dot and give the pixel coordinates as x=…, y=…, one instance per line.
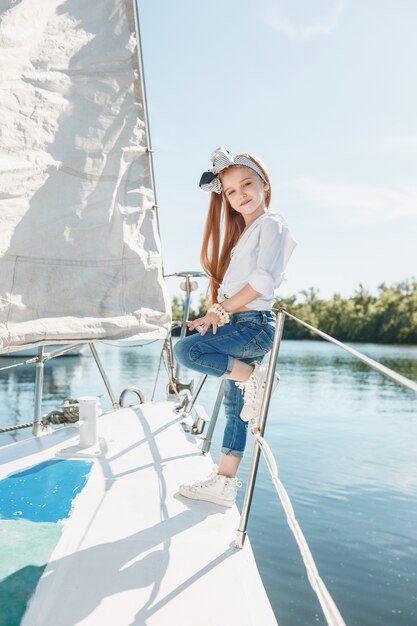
x=321, y=356
x=344, y=438
x=17, y=389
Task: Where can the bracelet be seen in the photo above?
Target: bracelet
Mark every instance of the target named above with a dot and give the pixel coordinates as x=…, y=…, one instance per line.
x=222, y=314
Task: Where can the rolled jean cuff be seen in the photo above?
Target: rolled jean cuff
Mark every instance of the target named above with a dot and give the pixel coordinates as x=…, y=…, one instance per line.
x=229, y=367
x=236, y=453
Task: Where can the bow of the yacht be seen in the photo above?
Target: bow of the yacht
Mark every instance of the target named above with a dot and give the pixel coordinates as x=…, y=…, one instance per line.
x=131, y=549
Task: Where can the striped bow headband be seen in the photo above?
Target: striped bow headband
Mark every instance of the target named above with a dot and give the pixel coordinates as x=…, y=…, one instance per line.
x=222, y=159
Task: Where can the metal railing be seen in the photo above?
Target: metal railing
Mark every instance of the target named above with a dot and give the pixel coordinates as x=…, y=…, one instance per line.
x=188, y=286
x=386, y=371
x=241, y=531
x=39, y=362
x=281, y=314
x=43, y=357
x=175, y=385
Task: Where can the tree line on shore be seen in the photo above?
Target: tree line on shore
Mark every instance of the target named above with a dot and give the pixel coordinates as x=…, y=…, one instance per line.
x=390, y=316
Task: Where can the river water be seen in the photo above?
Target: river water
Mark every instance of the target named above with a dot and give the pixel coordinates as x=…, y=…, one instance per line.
x=345, y=441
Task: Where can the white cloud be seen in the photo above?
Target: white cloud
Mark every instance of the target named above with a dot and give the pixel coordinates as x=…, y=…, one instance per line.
x=355, y=204
x=301, y=19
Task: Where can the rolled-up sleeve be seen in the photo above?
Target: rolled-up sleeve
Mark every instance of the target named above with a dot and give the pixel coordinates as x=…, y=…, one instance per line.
x=275, y=248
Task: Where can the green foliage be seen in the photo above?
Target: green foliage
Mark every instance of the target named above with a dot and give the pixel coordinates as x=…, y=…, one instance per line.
x=178, y=309
x=389, y=317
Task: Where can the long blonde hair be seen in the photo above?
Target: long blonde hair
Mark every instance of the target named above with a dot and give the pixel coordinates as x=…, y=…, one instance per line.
x=223, y=228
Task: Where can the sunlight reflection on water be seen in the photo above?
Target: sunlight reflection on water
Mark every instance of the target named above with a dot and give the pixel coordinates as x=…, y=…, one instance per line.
x=344, y=438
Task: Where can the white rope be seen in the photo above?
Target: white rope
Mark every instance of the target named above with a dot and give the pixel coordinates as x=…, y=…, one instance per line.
x=327, y=603
x=402, y=380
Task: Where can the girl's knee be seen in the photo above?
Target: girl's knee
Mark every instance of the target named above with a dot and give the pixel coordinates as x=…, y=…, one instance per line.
x=183, y=351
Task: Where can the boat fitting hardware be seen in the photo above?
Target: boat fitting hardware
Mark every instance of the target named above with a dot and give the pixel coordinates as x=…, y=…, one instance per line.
x=135, y=390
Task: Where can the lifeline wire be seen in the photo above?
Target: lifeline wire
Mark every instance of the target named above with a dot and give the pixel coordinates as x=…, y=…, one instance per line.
x=132, y=345
x=330, y=610
x=157, y=374
x=29, y=361
x=402, y=380
x=9, y=429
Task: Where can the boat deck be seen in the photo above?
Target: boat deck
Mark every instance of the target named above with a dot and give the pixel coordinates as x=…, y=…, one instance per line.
x=134, y=551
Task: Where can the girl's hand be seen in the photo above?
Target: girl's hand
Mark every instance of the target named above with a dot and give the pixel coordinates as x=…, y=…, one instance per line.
x=209, y=319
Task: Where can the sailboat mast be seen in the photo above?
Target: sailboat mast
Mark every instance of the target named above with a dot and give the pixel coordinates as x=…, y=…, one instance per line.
x=145, y=111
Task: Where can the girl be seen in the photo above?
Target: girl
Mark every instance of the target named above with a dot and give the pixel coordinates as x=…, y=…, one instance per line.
x=238, y=329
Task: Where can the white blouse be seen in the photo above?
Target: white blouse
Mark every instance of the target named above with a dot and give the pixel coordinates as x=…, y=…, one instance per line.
x=259, y=258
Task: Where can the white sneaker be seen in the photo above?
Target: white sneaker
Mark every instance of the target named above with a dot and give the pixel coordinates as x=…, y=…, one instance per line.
x=253, y=390
x=217, y=488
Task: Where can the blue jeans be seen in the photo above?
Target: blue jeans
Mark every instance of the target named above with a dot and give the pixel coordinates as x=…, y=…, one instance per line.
x=248, y=338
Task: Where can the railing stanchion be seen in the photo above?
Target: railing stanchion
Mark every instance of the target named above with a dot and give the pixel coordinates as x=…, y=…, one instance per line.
x=40, y=367
x=195, y=395
x=183, y=332
x=106, y=381
x=207, y=440
x=241, y=532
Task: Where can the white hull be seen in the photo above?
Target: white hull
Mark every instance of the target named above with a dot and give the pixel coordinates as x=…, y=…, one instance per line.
x=135, y=552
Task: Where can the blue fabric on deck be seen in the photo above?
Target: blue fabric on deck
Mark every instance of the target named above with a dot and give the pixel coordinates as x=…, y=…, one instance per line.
x=43, y=493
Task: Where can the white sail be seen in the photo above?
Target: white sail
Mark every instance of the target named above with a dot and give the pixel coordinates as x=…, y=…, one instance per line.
x=80, y=251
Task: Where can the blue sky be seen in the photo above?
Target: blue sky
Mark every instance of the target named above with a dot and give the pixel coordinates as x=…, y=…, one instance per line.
x=325, y=91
